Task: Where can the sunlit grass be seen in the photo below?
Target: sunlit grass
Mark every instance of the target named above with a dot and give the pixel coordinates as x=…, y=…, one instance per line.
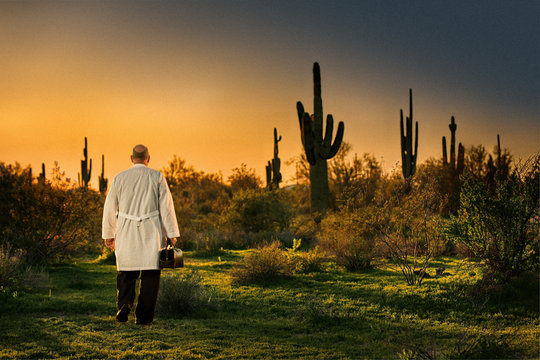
x=330, y=314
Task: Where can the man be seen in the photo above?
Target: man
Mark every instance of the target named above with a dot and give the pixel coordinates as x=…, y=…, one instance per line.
x=138, y=217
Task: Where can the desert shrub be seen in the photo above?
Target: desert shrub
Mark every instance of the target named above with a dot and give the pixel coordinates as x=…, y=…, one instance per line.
x=308, y=261
x=409, y=227
x=303, y=227
x=355, y=183
x=258, y=211
x=267, y=263
x=16, y=276
x=199, y=198
x=350, y=237
x=501, y=228
x=243, y=178
x=11, y=267
x=48, y=220
x=211, y=242
x=183, y=293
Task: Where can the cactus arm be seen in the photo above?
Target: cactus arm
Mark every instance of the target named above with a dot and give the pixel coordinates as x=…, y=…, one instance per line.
x=300, y=111
x=401, y=131
x=415, y=147
x=415, y=139
x=409, y=143
x=403, y=143
x=329, y=132
x=337, y=141
x=410, y=104
x=444, y=153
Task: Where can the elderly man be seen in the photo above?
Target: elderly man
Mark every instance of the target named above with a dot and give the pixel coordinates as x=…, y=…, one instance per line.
x=138, y=217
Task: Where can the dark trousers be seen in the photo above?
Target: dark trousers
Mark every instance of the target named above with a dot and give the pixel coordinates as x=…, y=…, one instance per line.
x=148, y=292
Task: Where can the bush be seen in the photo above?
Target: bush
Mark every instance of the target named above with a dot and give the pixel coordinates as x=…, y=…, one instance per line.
x=409, y=227
x=350, y=237
x=10, y=267
x=47, y=220
x=16, y=276
x=268, y=263
x=184, y=294
x=304, y=262
x=258, y=211
x=501, y=228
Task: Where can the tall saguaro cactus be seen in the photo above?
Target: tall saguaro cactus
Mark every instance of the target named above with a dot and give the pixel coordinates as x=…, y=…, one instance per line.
x=318, y=149
x=456, y=169
x=408, y=158
x=102, y=180
x=86, y=171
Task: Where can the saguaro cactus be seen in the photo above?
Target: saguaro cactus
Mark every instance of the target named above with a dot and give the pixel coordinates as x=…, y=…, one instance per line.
x=86, y=172
x=42, y=174
x=408, y=158
x=102, y=180
x=273, y=174
x=456, y=169
x=318, y=149
x=276, y=162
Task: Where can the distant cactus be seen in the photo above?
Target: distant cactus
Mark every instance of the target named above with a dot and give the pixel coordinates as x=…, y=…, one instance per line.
x=318, y=149
x=102, y=180
x=30, y=178
x=455, y=169
x=86, y=172
x=42, y=176
x=498, y=169
x=408, y=158
x=276, y=162
x=273, y=174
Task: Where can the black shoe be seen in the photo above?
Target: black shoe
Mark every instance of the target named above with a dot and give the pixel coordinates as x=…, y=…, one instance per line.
x=142, y=322
x=122, y=314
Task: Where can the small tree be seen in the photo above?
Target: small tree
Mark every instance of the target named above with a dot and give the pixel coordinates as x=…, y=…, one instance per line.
x=258, y=211
x=501, y=228
x=243, y=178
x=408, y=226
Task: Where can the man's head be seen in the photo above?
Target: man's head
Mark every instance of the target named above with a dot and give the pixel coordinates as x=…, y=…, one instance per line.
x=140, y=155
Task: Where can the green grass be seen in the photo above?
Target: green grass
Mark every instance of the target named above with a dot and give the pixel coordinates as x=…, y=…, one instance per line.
x=333, y=314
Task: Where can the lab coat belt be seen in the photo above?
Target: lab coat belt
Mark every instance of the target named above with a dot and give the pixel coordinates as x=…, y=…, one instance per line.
x=138, y=218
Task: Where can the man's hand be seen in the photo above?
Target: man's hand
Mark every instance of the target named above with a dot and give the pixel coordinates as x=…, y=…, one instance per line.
x=172, y=240
x=109, y=243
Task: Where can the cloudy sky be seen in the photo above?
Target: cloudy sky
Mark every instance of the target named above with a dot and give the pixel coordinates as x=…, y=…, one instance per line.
x=209, y=80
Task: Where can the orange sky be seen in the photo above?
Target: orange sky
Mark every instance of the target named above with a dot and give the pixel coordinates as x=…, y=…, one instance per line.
x=210, y=89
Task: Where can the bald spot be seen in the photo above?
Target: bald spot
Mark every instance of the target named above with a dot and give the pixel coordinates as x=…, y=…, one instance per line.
x=140, y=152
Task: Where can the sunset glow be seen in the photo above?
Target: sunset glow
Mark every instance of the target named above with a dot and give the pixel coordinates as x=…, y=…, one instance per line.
x=208, y=81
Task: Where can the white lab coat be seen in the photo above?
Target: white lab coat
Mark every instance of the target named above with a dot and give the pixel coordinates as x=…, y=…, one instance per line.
x=139, y=214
